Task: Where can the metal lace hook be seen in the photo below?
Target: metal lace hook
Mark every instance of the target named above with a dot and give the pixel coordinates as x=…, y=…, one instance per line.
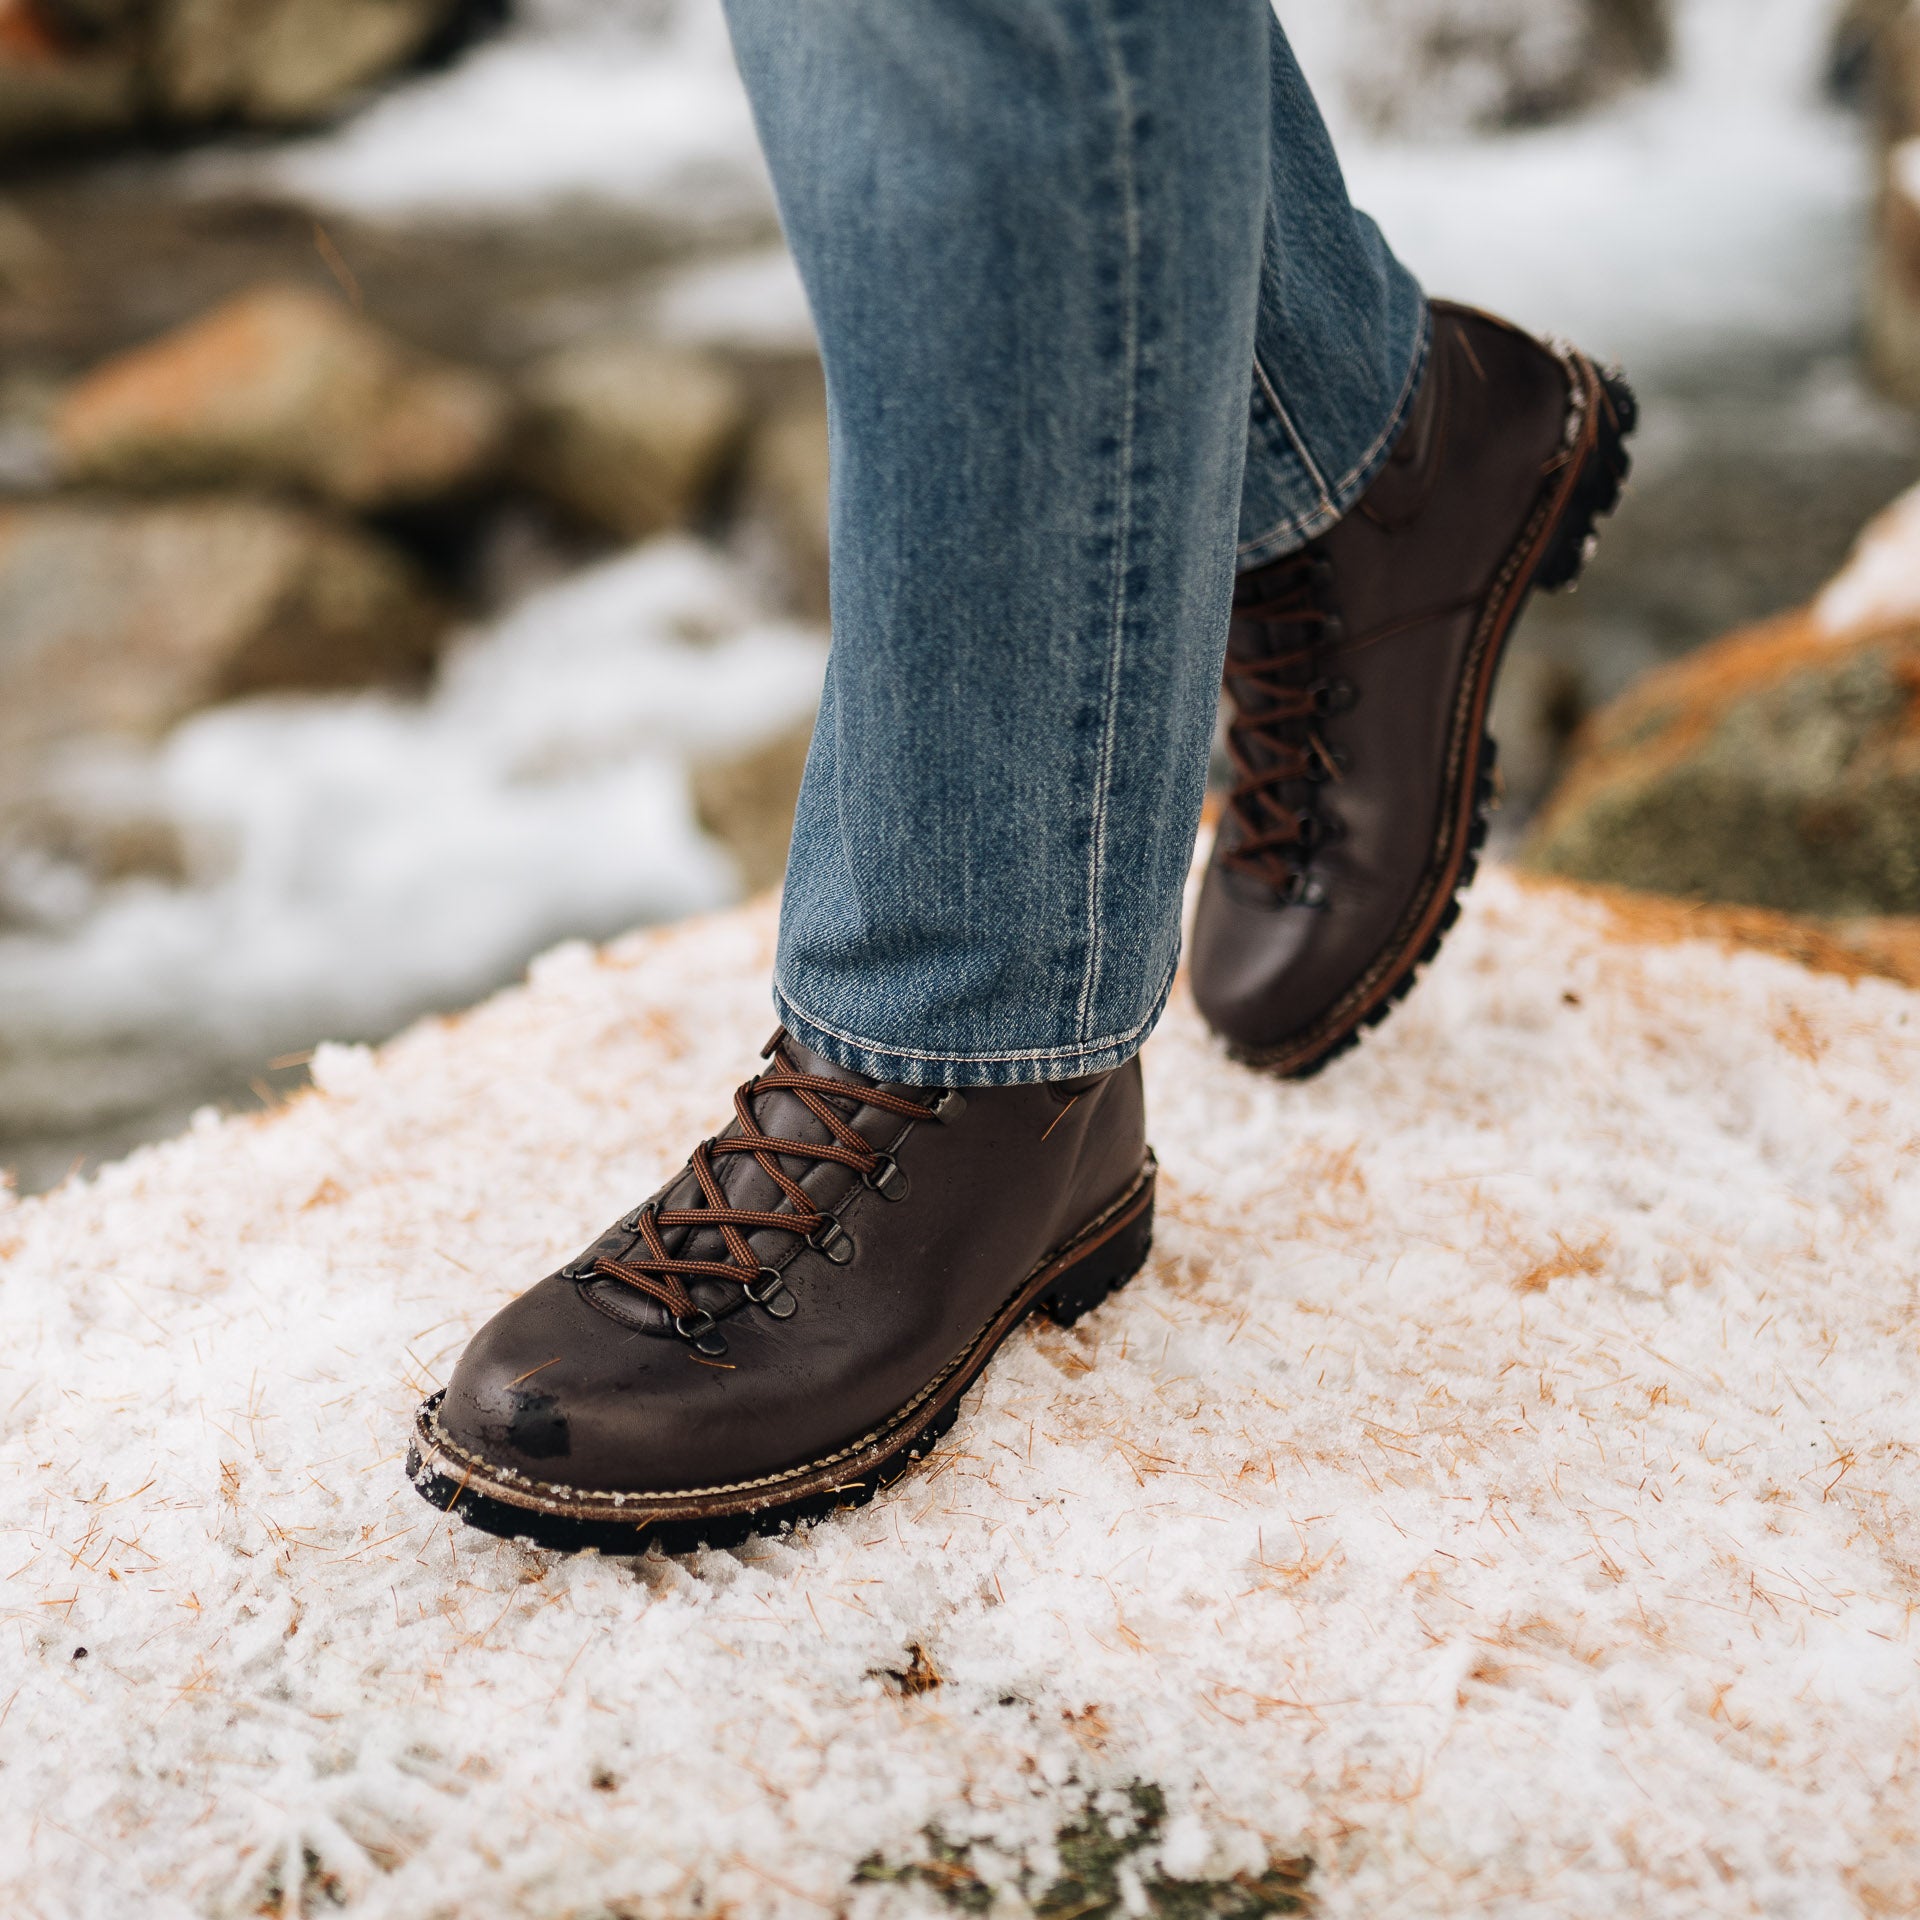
x=769, y=1289
x=703, y=1331
x=886, y=1178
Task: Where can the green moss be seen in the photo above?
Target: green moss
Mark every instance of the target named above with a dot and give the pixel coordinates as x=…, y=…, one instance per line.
x=1094, y=1848
x=945, y=1871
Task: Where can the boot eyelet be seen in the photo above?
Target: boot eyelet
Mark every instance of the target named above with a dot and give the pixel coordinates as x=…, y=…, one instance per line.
x=886, y=1178
x=1333, y=630
x=1308, y=890
x=769, y=1289
x=832, y=1242
x=702, y=1331
x=581, y=1270
x=950, y=1106
x=1336, y=696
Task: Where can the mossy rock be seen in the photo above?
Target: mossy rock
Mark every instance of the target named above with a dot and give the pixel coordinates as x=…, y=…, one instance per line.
x=1779, y=768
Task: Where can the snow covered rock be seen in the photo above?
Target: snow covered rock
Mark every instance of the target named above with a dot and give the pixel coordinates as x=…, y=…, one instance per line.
x=1496, y=1491
x=1778, y=768
x=282, y=386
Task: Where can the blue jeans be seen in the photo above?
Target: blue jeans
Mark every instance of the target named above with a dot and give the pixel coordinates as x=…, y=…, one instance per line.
x=1099, y=324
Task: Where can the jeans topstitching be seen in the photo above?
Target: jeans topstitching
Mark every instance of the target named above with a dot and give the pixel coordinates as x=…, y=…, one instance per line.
x=1124, y=478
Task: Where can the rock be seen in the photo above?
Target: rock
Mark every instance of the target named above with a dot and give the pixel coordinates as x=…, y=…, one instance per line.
x=57, y=87
x=1893, y=278
x=283, y=387
x=1856, y=48
x=746, y=802
x=118, y=618
x=1884, y=39
x=784, y=499
x=278, y=61
x=1779, y=768
x=92, y=68
x=631, y=435
x=1447, y=66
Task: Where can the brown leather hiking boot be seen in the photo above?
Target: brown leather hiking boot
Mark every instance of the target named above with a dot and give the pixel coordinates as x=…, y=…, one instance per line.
x=789, y=1323
x=1360, y=671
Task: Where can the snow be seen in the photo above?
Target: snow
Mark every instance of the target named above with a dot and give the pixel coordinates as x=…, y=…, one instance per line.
x=355, y=860
x=753, y=301
x=1497, y=1486
x=1725, y=202
x=1880, y=584
x=633, y=103
x=1723, y=205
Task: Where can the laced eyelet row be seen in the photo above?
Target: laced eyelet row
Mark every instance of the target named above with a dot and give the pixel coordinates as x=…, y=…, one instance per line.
x=663, y=1276
x=1275, y=740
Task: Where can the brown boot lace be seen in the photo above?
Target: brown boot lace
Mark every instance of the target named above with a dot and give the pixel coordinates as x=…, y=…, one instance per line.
x=662, y=1276
x=1280, y=696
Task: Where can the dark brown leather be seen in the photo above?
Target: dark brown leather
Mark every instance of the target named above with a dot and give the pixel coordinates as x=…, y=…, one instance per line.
x=586, y=1383
x=1362, y=788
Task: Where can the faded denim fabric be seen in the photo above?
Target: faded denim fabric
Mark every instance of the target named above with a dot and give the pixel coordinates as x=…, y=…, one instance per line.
x=1098, y=323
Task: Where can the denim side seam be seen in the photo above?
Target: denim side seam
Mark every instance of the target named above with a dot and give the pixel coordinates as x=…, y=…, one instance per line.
x=907, y=1067
x=1336, y=501
x=1126, y=180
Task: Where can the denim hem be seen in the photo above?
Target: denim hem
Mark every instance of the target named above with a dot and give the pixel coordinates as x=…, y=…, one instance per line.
x=911, y=1068
x=1338, y=500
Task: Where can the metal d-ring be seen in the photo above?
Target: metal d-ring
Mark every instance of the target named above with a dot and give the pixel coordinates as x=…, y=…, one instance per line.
x=886, y=1178
x=703, y=1330
x=950, y=1106
x=832, y=1241
x=769, y=1289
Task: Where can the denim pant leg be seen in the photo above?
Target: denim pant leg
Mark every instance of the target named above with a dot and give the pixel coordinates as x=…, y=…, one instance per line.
x=1342, y=338
x=1033, y=233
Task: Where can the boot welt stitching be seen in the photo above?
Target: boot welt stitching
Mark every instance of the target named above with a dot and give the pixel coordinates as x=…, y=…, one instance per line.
x=505, y=1476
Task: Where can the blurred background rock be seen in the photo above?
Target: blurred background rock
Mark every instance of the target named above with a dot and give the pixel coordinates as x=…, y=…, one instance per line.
x=413, y=486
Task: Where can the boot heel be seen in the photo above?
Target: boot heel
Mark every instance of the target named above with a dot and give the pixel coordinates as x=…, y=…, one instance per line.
x=1108, y=1268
